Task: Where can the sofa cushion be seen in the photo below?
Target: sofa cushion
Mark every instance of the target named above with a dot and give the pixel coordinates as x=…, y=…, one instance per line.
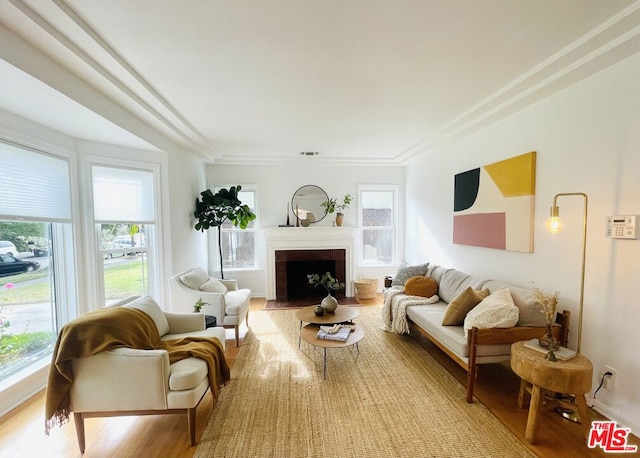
x=213, y=285
x=429, y=318
x=496, y=311
x=405, y=272
x=187, y=373
x=461, y=305
x=194, y=278
x=421, y=286
x=531, y=313
x=147, y=305
x=453, y=282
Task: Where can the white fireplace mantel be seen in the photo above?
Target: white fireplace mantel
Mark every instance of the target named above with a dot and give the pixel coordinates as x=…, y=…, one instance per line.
x=310, y=238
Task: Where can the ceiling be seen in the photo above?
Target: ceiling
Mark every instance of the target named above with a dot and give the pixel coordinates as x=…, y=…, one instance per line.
x=262, y=81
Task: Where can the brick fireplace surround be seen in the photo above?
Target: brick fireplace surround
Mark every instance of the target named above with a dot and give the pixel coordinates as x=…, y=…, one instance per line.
x=308, y=244
x=289, y=259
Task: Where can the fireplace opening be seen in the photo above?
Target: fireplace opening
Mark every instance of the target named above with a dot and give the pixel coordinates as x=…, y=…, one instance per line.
x=293, y=266
x=297, y=282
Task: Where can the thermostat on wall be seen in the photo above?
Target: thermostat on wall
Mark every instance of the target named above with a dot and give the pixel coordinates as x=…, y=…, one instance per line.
x=622, y=227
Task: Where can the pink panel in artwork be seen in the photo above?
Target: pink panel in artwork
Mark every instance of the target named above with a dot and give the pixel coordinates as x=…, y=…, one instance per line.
x=481, y=229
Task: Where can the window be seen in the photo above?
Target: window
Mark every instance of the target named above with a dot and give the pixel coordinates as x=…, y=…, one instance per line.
x=37, y=267
x=377, y=214
x=238, y=245
x=124, y=216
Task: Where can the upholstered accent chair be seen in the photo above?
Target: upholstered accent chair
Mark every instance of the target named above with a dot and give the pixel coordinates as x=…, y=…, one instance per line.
x=223, y=298
x=126, y=381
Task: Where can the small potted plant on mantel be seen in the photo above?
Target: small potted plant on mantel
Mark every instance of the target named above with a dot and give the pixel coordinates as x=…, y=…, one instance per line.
x=332, y=205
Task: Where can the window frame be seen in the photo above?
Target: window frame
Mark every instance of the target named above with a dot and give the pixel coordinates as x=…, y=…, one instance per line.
x=65, y=280
x=395, y=190
x=154, y=251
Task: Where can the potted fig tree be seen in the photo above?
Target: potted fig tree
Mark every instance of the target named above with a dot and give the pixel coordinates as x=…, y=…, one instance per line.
x=213, y=210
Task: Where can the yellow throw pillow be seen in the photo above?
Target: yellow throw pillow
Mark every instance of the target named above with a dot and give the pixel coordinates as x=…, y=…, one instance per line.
x=421, y=286
x=461, y=305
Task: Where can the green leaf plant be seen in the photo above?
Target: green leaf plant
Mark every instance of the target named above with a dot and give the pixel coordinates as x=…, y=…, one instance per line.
x=213, y=210
x=332, y=204
x=326, y=281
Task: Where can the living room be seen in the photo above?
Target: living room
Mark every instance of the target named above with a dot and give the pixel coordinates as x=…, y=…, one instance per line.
x=580, y=115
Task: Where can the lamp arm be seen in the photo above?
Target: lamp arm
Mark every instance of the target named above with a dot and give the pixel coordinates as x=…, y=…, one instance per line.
x=584, y=255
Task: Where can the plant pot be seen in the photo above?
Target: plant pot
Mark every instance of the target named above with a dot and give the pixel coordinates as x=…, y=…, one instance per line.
x=329, y=303
x=339, y=217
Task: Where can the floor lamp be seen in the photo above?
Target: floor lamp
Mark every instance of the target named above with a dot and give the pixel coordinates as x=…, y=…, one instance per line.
x=554, y=226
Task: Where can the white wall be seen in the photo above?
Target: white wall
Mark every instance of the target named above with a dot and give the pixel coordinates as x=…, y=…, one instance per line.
x=186, y=176
x=587, y=139
x=276, y=185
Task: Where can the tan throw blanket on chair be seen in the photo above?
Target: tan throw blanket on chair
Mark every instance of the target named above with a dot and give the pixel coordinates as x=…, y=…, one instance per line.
x=109, y=328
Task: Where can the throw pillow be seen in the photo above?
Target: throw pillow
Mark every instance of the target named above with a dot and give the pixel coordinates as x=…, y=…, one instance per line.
x=405, y=272
x=496, y=311
x=147, y=305
x=195, y=278
x=213, y=285
x=461, y=305
x=421, y=286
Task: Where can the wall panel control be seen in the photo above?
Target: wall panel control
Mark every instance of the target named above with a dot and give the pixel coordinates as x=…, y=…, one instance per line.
x=622, y=227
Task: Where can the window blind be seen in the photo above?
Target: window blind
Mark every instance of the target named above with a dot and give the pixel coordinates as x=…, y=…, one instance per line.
x=33, y=185
x=123, y=195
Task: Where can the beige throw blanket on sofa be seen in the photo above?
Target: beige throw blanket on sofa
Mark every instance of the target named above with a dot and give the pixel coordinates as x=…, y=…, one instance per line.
x=109, y=328
x=394, y=309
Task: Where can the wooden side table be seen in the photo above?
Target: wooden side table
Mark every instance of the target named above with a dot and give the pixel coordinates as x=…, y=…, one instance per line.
x=572, y=376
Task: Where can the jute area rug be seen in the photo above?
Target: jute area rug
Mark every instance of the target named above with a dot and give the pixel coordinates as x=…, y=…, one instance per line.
x=390, y=400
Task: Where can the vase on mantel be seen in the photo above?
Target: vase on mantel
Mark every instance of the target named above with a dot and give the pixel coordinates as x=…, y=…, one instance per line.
x=339, y=217
x=329, y=303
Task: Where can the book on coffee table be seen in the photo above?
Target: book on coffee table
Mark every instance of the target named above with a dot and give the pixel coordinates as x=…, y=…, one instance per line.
x=342, y=335
x=561, y=353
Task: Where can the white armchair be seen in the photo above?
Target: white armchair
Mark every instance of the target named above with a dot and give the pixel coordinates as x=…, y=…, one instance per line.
x=126, y=381
x=225, y=301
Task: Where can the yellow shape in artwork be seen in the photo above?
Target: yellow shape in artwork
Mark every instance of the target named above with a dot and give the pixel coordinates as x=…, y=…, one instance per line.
x=515, y=176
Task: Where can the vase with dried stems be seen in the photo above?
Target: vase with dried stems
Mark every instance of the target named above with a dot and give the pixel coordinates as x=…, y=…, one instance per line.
x=548, y=304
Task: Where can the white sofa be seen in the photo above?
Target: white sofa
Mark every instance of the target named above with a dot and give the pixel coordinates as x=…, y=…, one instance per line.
x=225, y=301
x=479, y=345
x=126, y=381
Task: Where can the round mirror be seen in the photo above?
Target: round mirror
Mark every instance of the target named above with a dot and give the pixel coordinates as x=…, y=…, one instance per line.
x=306, y=203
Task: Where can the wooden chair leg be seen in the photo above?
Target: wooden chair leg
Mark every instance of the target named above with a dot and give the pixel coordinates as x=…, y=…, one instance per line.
x=79, y=421
x=237, y=335
x=191, y=422
x=471, y=379
x=522, y=394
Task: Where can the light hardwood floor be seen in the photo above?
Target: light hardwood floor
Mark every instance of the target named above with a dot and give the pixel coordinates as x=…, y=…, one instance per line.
x=22, y=430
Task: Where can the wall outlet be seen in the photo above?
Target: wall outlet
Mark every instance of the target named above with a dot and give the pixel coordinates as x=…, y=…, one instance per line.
x=610, y=381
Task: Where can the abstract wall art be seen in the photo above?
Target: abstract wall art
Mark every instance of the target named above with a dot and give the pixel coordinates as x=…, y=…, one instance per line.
x=494, y=205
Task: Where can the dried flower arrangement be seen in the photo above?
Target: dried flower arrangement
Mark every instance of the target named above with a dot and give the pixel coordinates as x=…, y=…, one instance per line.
x=548, y=304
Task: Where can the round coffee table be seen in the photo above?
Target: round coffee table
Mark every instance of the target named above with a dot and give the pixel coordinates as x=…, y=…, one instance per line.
x=309, y=335
x=342, y=314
